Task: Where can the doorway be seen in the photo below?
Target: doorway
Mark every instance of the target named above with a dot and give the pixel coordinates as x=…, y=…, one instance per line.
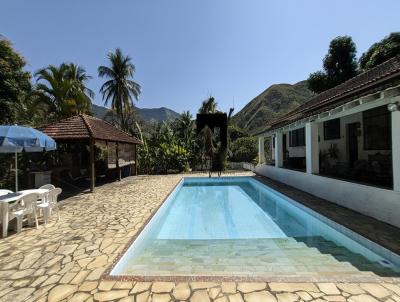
x=284, y=147
x=352, y=142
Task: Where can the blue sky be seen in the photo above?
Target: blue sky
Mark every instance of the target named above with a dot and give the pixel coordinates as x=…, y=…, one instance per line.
x=185, y=50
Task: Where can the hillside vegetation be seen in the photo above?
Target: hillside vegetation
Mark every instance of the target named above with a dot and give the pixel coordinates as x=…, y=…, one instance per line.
x=275, y=101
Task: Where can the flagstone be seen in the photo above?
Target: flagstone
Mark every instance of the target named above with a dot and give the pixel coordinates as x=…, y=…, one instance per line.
x=305, y=296
x=292, y=287
x=375, y=290
x=202, y=285
x=18, y=294
x=106, y=285
x=250, y=287
x=262, y=296
x=96, y=274
x=350, y=288
x=22, y=274
x=127, y=299
x=161, y=298
x=287, y=297
x=181, y=291
x=99, y=261
x=335, y=298
x=328, y=288
x=162, y=287
x=235, y=298
x=393, y=287
x=30, y=259
x=61, y=292
x=123, y=285
x=228, y=287
x=110, y=295
x=140, y=287
x=214, y=292
x=51, y=280
x=200, y=296
x=362, y=298
x=79, y=297
x=80, y=276
x=22, y=282
x=88, y=286
x=142, y=297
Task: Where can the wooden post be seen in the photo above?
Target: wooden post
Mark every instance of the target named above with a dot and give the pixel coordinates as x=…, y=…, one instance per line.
x=117, y=163
x=91, y=166
x=135, y=159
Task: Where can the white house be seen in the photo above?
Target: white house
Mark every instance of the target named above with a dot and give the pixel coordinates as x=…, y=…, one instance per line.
x=343, y=145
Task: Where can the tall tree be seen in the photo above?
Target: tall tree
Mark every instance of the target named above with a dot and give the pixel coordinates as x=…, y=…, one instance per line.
x=381, y=51
x=120, y=89
x=209, y=106
x=15, y=85
x=339, y=65
x=63, y=89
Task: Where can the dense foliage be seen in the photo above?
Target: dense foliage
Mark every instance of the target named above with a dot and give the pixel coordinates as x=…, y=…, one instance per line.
x=15, y=85
x=339, y=65
x=381, y=51
x=244, y=149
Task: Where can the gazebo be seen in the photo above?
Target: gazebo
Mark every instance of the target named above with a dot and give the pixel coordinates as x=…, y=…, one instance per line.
x=120, y=148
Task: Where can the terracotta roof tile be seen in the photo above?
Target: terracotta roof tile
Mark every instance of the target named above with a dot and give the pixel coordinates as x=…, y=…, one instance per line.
x=84, y=126
x=361, y=84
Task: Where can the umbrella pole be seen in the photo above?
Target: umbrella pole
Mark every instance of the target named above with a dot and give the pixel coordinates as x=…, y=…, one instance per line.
x=16, y=172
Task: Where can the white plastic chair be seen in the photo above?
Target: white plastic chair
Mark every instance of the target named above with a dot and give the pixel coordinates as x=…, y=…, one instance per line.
x=24, y=206
x=50, y=204
x=5, y=192
x=48, y=187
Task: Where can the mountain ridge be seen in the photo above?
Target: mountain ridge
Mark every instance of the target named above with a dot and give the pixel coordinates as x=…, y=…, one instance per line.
x=149, y=115
x=274, y=101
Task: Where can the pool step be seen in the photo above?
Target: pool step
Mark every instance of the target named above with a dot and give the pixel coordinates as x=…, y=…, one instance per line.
x=278, y=256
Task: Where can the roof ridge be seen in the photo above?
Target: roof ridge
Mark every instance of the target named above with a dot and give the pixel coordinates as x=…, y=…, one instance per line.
x=59, y=121
x=303, y=107
x=83, y=116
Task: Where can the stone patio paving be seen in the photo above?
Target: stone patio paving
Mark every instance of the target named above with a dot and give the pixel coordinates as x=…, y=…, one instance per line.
x=65, y=260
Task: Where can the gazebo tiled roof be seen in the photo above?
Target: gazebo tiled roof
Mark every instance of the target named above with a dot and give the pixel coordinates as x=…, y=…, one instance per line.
x=84, y=126
x=365, y=83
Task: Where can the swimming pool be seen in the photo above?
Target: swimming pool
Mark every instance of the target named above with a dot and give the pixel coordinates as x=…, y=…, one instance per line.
x=237, y=226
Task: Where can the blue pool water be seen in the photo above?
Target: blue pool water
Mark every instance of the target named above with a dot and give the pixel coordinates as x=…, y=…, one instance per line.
x=236, y=225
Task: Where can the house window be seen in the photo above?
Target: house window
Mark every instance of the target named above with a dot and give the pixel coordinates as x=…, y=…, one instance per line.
x=297, y=138
x=273, y=142
x=377, y=129
x=332, y=129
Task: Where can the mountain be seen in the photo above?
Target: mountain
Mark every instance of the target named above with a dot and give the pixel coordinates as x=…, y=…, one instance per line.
x=149, y=115
x=275, y=101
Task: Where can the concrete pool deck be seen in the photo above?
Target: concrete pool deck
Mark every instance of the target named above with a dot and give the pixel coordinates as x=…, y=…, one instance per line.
x=65, y=260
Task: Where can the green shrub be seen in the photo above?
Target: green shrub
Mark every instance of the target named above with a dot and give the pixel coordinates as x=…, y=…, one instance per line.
x=244, y=149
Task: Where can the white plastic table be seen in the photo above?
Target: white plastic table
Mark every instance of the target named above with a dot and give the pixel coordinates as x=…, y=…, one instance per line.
x=5, y=200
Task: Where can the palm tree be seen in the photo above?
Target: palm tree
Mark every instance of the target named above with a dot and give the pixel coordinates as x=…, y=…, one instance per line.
x=209, y=106
x=119, y=88
x=63, y=89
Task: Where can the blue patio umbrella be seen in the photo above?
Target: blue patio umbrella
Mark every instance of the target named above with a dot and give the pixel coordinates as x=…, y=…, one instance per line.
x=15, y=139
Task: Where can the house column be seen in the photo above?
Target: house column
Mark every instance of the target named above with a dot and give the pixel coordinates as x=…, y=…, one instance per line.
x=312, y=148
x=261, y=153
x=396, y=149
x=92, y=165
x=278, y=150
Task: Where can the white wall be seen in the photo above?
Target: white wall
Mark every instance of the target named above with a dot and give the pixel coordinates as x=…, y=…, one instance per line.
x=379, y=203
